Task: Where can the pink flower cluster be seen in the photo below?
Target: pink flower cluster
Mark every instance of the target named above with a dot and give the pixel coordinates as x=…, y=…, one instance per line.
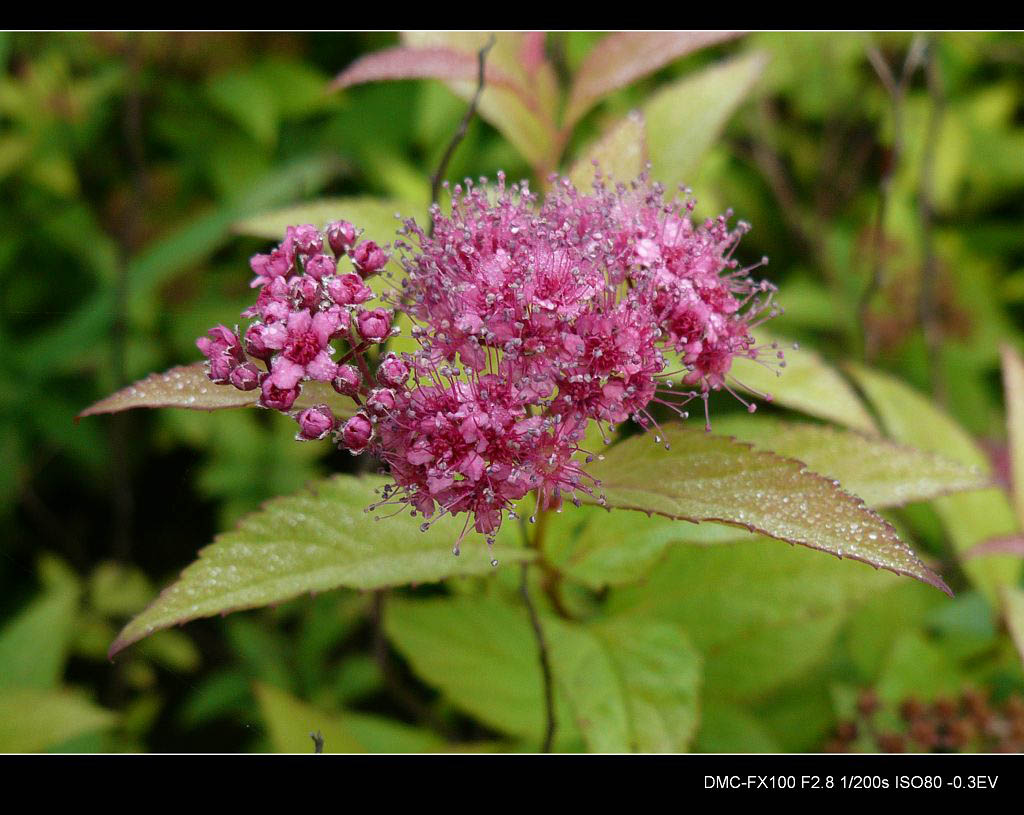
x=532, y=319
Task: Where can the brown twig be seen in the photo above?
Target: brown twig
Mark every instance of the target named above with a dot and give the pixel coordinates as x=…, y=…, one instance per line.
x=460, y=133
x=545, y=664
x=926, y=304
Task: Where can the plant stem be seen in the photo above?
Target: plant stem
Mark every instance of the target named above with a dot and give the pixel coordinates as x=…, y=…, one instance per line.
x=460, y=133
x=545, y=665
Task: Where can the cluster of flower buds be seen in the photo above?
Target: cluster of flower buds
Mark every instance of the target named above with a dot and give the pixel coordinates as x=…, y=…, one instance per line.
x=306, y=305
x=532, y=319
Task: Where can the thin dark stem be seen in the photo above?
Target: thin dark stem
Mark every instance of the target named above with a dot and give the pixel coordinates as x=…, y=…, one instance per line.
x=545, y=665
x=927, y=311
x=896, y=89
x=460, y=133
x=403, y=695
x=318, y=741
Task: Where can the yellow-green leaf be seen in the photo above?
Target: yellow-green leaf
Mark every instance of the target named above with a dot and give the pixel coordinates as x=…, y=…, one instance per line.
x=684, y=119
x=619, y=155
x=882, y=472
x=969, y=519
x=32, y=720
x=319, y=539
x=1013, y=383
x=807, y=384
x=290, y=722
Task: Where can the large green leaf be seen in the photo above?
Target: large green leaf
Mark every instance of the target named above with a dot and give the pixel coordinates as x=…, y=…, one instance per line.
x=708, y=478
x=970, y=518
x=684, y=119
x=761, y=615
x=320, y=539
x=598, y=548
x=807, y=383
x=290, y=722
x=188, y=386
x=481, y=653
x=882, y=472
x=32, y=719
x=632, y=683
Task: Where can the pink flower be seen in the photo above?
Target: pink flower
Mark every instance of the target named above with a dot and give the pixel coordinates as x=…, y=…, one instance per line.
x=341, y=235
x=348, y=290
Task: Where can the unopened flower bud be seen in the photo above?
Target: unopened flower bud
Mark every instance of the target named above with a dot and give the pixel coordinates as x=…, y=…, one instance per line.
x=393, y=372
x=347, y=380
x=341, y=235
x=368, y=258
x=356, y=433
x=277, y=398
x=306, y=239
x=375, y=325
x=315, y=423
x=348, y=290
x=381, y=401
x=245, y=377
x=320, y=266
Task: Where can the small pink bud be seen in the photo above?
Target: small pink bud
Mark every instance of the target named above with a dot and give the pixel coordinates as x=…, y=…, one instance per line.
x=246, y=377
x=347, y=381
x=374, y=326
x=341, y=235
x=320, y=266
x=255, y=341
x=348, y=290
x=381, y=401
x=368, y=258
x=306, y=239
x=305, y=290
x=315, y=423
x=392, y=373
x=277, y=398
x=356, y=433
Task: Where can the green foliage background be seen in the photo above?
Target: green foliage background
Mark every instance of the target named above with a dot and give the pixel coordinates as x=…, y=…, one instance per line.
x=126, y=163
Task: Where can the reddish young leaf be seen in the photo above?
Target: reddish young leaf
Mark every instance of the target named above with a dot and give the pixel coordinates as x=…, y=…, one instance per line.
x=625, y=57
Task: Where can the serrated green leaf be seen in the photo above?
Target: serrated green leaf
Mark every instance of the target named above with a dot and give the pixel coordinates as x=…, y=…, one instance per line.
x=32, y=720
x=807, y=383
x=969, y=519
x=319, y=539
x=707, y=478
x=632, y=683
x=482, y=655
x=684, y=119
x=188, y=386
x=620, y=154
x=290, y=721
x=882, y=472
